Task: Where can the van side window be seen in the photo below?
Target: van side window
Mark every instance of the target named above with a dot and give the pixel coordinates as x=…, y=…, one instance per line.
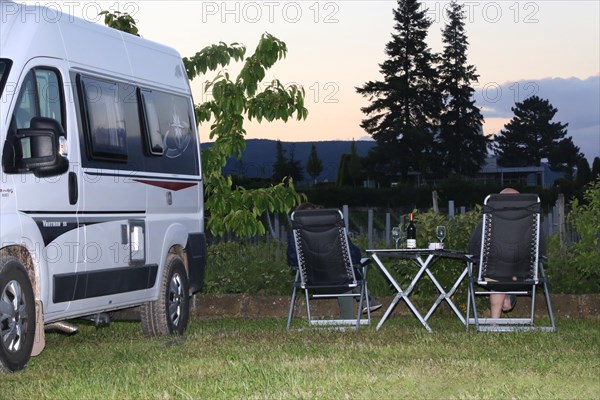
x=168, y=119
x=40, y=96
x=153, y=138
x=105, y=119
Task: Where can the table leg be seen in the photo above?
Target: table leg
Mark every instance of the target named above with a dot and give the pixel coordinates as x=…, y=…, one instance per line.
x=446, y=295
x=401, y=294
x=451, y=292
x=389, y=310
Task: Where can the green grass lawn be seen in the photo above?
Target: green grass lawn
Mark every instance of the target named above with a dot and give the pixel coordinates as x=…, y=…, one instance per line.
x=240, y=359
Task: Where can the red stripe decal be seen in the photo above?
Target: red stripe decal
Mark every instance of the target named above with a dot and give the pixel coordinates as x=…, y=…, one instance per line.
x=168, y=185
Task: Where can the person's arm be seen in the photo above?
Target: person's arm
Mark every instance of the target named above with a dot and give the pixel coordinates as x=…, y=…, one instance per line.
x=355, y=254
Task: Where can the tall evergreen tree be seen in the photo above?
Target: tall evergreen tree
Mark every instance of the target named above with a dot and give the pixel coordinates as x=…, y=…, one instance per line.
x=280, y=167
x=354, y=165
x=584, y=173
x=314, y=165
x=350, y=168
x=405, y=105
x=565, y=156
x=530, y=135
x=342, y=178
x=286, y=167
x=294, y=167
x=461, y=147
x=595, y=168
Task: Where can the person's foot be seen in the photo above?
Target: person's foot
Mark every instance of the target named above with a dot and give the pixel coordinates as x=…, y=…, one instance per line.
x=509, y=303
x=374, y=304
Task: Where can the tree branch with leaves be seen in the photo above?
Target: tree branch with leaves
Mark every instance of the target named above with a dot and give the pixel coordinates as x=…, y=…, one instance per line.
x=235, y=101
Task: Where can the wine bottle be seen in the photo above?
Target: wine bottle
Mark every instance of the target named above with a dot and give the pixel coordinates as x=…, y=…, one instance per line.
x=411, y=233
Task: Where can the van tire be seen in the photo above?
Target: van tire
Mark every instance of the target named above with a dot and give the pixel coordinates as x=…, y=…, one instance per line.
x=17, y=315
x=170, y=313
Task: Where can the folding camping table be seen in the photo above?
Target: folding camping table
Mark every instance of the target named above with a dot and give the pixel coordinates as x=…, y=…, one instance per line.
x=425, y=259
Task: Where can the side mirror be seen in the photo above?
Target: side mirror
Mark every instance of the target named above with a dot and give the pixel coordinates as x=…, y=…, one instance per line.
x=40, y=146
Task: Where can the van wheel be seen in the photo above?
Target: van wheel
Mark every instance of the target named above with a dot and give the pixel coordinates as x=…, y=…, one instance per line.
x=170, y=313
x=17, y=315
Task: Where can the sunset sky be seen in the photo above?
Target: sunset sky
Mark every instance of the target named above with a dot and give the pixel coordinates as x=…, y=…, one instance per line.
x=520, y=48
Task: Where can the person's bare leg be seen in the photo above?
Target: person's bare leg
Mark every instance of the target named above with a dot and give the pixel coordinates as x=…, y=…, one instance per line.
x=496, y=302
x=507, y=306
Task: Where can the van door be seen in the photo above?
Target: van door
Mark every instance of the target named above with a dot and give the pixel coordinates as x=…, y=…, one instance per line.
x=47, y=206
x=113, y=209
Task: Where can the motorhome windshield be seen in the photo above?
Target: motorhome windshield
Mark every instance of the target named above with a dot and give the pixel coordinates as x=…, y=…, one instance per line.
x=4, y=67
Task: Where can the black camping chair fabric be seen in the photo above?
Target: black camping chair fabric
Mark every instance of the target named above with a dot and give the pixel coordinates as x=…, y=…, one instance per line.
x=325, y=268
x=509, y=260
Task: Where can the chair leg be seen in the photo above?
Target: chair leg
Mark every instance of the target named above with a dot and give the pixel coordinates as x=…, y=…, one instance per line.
x=468, y=307
x=533, y=292
x=308, y=306
x=515, y=323
x=368, y=304
x=293, y=301
x=469, y=289
x=475, y=316
x=292, y=304
x=549, y=305
x=547, y=295
x=360, y=304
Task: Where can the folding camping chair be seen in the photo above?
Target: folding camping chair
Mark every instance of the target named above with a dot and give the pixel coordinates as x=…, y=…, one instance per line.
x=325, y=267
x=509, y=260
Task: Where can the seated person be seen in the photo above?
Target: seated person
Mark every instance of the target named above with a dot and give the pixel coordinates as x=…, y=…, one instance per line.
x=346, y=308
x=499, y=302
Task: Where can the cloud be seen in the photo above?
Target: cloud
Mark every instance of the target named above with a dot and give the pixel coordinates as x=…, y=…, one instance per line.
x=577, y=101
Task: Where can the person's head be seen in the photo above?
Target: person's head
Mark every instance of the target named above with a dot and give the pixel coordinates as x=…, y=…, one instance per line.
x=509, y=191
x=307, y=206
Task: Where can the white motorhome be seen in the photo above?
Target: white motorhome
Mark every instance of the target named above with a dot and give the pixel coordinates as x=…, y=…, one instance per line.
x=101, y=197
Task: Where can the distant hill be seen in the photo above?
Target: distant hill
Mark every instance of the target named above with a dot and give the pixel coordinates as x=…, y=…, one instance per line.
x=259, y=157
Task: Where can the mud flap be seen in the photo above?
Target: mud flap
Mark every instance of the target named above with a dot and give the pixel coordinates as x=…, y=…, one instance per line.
x=39, y=342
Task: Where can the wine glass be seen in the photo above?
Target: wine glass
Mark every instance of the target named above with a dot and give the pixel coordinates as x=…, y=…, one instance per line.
x=396, y=234
x=440, y=232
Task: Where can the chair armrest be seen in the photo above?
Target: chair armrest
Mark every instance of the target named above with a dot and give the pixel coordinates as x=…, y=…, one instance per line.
x=365, y=261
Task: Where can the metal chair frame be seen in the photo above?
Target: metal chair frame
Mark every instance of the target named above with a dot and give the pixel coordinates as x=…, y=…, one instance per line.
x=494, y=205
x=323, y=290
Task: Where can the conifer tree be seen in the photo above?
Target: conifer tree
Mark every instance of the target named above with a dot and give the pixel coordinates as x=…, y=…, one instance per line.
x=405, y=104
x=350, y=168
x=530, y=135
x=294, y=167
x=342, y=178
x=461, y=147
x=354, y=165
x=314, y=166
x=596, y=168
x=280, y=167
x=584, y=173
x=285, y=167
x=565, y=156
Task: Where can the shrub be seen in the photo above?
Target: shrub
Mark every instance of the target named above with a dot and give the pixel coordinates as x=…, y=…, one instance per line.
x=405, y=197
x=575, y=267
x=459, y=229
x=261, y=268
x=240, y=267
